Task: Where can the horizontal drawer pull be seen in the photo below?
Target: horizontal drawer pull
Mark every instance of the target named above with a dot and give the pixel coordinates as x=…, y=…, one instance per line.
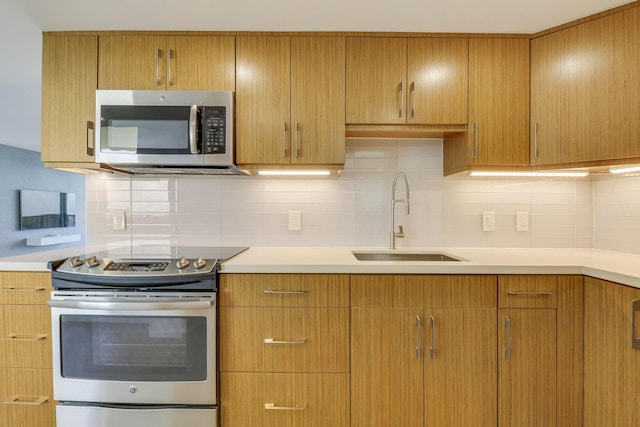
x=535, y=293
x=273, y=407
x=279, y=292
x=14, y=337
x=13, y=289
x=26, y=400
x=275, y=341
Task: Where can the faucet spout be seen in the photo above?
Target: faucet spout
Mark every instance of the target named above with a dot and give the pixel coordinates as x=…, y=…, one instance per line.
x=407, y=202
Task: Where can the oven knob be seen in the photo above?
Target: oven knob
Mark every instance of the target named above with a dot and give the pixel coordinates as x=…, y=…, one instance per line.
x=199, y=263
x=182, y=263
x=132, y=389
x=75, y=261
x=92, y=262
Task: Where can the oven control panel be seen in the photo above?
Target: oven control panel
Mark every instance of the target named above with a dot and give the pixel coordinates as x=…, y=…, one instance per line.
x=137, y=267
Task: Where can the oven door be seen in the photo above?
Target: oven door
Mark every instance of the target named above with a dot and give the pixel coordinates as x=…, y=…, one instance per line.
x=153, y=349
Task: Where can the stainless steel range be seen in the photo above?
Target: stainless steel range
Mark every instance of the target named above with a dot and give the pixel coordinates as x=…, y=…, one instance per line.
x=134, y=340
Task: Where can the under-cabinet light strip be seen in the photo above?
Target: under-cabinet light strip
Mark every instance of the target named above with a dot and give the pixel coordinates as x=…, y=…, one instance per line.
x=577, y=174
x=626, y=169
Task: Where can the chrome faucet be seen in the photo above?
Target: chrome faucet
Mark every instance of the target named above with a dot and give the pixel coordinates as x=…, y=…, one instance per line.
x=406, y=201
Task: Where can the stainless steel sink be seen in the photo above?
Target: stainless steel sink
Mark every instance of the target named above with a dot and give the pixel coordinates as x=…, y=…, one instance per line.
x=403, y=256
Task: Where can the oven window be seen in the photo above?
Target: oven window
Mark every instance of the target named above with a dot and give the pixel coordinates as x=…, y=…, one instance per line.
x=134, y=348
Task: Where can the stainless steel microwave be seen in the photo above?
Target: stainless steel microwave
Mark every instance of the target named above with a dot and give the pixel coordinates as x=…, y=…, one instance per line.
x=179, y=132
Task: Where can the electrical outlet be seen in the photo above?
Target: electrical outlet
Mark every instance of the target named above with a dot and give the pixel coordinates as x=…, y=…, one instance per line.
x=295, y=220
x=522, y=221
x=488, y=221
x=119, y=220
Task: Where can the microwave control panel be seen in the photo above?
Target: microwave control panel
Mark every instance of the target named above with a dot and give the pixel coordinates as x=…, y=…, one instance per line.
x=214, y=132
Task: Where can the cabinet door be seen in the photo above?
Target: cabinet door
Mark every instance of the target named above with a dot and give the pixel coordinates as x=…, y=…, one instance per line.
x=27, y=397
x=572, y=75
x=498, y=102
x=527, y=367
x=460, y=379
x=437, y=75
x=386, y=370
x=611, y=364
x=376, y=80
x=201, y=63
x=69, y=83
x=25, y=336
x=317, y=100
x=132, y=62
x=263, y=87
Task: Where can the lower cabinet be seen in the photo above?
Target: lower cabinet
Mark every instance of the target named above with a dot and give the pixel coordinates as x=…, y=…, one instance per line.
x=423, y=351
x=26, y=379
x=611, y=354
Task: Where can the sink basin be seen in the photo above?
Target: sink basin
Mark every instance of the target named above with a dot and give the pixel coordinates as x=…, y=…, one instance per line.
x=403, y=256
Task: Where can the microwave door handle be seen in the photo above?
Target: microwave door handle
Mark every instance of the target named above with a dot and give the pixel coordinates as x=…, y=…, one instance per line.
x=134, y=306
x=193, y=129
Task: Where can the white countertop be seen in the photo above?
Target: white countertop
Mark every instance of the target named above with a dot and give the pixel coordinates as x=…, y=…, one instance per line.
x=617, y=267
x=607, y=265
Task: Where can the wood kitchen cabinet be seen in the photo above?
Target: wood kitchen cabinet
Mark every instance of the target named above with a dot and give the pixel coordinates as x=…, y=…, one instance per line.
x=584, y=92
x=162, y=62
x=540, y=342
x=290, y=101
x=284, y=350
x=498, y=132
x=26, y=388
x=69, y=83
x=611, y=362
x=423, y=350
x=407, y=80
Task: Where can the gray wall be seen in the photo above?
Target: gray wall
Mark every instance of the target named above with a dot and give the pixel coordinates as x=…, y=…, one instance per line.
x=22, y=170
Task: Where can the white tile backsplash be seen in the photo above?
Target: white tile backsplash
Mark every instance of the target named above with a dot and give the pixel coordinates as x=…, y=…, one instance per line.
x=354, y=209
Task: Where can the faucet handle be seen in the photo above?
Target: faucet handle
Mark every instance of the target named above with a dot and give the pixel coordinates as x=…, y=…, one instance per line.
x=400, y=233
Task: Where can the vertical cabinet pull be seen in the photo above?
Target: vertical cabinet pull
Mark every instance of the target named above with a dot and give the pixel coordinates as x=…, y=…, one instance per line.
x=89, y=147
x=412, y=90
x=507, y=349
x=535, y=140
x=419, y=337
x=284, y=140
x=474, y=153
x=169, y=74
x=158, y=81
x=297, y=139
x=635, y=308
x=432, y=349
x=401, y=100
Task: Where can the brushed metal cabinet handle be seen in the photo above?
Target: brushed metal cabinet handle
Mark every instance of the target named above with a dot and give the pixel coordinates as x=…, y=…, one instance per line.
x=401, y=100
x=412, y=90
x=635, y=341
x=158, y=81
x=419, y=337
x=90, y=127
x=18, y=337
x=536, y=127
x=169, y=73
x=274, y=407
x=474, y=153
x=26, y=400
x=507, y=349
x=14, y=289
x=534, y=293
x=432, y=350
x=279, y=292
x=294, y=341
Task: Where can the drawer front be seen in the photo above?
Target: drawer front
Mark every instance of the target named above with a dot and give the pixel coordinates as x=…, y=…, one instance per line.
x=25, y=336
x=263, y=339
x=284, y=400
x=284, y=290
x=19, y=287
x=528, y=291
x=26, y=397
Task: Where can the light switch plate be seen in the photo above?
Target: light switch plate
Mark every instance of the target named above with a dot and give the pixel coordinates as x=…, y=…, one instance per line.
x=488, y=221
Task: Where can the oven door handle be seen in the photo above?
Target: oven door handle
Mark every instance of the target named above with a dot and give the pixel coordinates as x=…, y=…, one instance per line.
x=131, y=306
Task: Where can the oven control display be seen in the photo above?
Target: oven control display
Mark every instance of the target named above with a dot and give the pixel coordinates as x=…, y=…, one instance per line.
x=136, y=266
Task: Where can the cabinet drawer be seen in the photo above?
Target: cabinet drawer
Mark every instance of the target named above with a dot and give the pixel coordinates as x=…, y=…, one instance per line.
x=26, y=397
x=284, y=290
x=18, y=287
x=284, y=400
x=25, y=332
x=530, y=291
x=284, y=339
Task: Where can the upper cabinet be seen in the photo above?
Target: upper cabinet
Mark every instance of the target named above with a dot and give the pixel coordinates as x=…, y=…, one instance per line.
x=69, y=82
x=290, y=101
x=584, y=92
x=420, y=81
x=167, y=62
x=498, y=131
